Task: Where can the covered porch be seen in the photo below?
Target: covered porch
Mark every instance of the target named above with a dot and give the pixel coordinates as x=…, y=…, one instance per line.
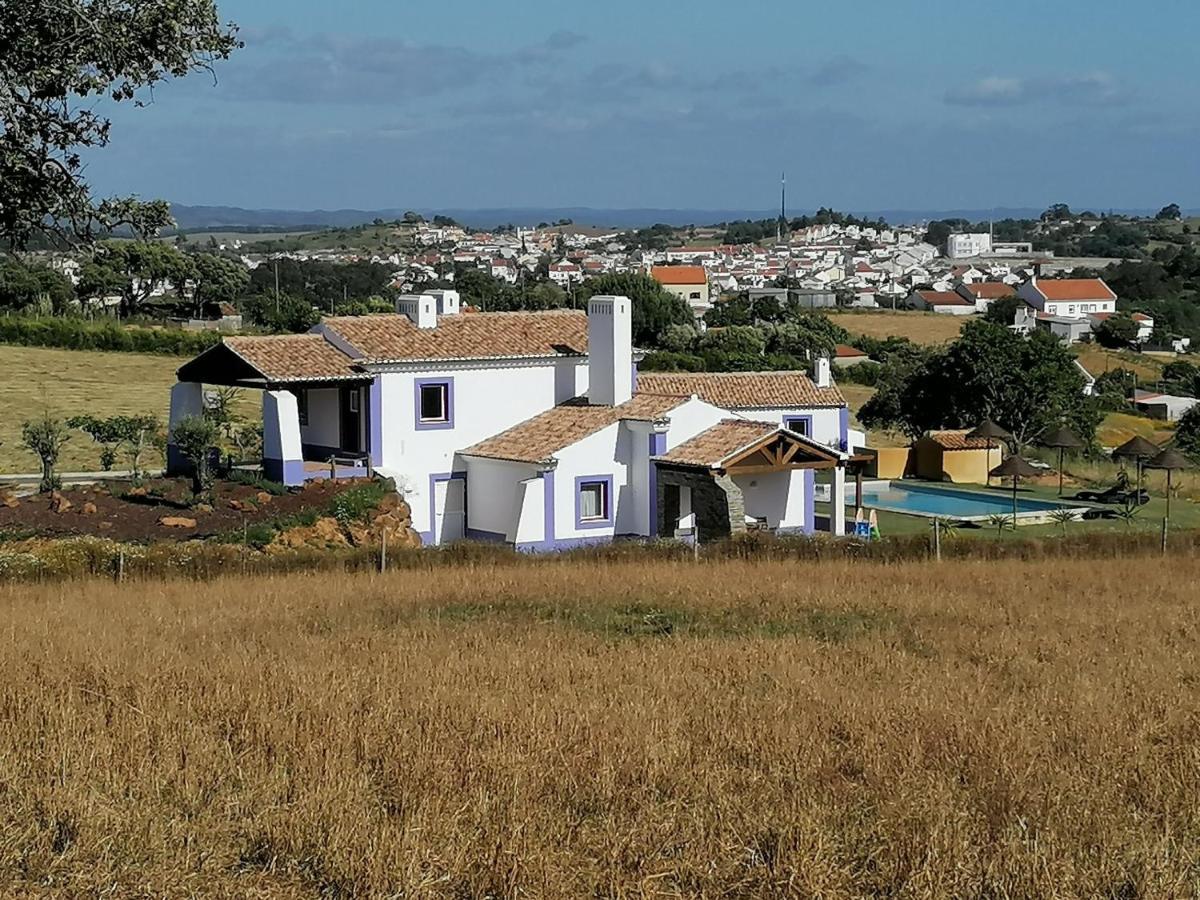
x=739, y=476
x=319, y=415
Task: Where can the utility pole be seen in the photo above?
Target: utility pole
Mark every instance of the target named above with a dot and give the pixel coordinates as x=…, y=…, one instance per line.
x=277, y=285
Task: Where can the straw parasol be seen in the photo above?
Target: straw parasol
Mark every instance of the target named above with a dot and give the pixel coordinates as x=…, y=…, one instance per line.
x=990, y=431
x=1015, y=468
x=1171, y=460
x=1139, y=450
x=1064, y=439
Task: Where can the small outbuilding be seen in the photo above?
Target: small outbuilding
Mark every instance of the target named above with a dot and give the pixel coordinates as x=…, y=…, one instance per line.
x=955, y=456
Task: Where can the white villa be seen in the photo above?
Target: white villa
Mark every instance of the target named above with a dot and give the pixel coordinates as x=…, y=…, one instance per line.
x=535, y=428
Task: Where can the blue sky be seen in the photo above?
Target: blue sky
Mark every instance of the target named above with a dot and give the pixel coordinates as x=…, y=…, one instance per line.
x=649, y=103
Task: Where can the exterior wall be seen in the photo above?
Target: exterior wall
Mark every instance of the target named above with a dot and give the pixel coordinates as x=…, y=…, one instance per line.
x=486, y=401
x=958, y=466
x=893, y=462
x=828, y=425
x=282, y=457
x=959, y=246
x=607, y=454
x=495, y=494
x=187, y=399
x=324, y=428
x=716, y=503
x=697, y=296
x=777, y=497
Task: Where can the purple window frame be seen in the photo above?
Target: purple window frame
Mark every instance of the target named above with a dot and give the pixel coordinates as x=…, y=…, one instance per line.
x=609, y=513
x=807, y=431
x=448, y=422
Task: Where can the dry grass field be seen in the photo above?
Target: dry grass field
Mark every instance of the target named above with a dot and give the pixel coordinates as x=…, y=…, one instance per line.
x=919, y=327
x=624, y=730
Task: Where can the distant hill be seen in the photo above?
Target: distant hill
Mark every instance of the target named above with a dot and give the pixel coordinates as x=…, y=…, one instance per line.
x=232, y=217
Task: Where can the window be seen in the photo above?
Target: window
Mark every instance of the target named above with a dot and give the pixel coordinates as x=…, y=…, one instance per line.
x=434, y=402
x=593, y=501
x=302, y=406
x=354, y=400
x=799, y=424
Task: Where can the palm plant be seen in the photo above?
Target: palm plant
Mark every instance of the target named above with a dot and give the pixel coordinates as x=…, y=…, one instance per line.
x=1063, y=518
x=1002, y=523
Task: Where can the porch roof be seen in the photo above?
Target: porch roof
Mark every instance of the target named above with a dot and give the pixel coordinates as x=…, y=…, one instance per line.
x=744, y=445
x=269, y=360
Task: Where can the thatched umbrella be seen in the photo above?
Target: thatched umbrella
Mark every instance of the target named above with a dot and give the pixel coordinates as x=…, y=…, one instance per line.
x=1015, y=468
x=1170, y=460
x=1064, y=439
x=1139, y=450
x=990, y=431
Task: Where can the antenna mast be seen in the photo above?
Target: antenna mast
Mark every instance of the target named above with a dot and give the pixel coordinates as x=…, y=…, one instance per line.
x=782, y=206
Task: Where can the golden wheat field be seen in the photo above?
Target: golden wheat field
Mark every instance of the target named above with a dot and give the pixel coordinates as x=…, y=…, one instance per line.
x=640, y=729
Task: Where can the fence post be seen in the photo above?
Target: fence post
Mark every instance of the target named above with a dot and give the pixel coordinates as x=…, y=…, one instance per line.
x=1164, y=534
x=937, y=540
x=245, y=540
x=383, y=551
x=120, y=565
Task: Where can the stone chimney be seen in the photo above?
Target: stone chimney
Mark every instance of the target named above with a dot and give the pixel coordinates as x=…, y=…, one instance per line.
x=421, y=309
x=610, y=350
x=448, y=302
x=821, y=375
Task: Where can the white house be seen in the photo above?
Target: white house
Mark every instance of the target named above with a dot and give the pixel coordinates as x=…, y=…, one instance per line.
x=534, y=428
x=961, y=246
x=945, y=302
x=1068, y=297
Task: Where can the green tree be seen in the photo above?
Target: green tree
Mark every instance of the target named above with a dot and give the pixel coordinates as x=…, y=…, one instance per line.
x=33, y=287
x=739, y=340
x=46, y=437
x=654, y=307
x=196, y=438
x=1117, y=331
x=216, y=279
x=62, y=62
x=1170, y=212
x=138, y=268
x=1026, y=385
x=1187, y=433
x=104, y=432
x=1003, y=311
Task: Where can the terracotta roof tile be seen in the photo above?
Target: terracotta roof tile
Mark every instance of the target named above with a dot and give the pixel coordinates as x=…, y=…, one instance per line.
x=942, y=298
x=958, y=440
x=498, y=335
x=538, y=439
x=743, y=390
x=293, y=357
x=989, y=290
x=1074, y=289
x=845, y=351
x=679, y=274
x=712, y=447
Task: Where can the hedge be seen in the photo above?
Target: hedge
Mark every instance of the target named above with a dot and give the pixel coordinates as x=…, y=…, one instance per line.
x=78, y=334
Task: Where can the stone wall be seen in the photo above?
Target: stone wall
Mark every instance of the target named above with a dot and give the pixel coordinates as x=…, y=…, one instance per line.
x=716, y=500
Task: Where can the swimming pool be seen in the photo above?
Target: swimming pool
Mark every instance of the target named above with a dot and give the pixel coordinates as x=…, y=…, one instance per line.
x=954, y=503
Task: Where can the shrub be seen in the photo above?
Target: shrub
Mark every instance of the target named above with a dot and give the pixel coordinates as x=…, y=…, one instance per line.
x=79, y=334
x=196, y=438
x=46, y=437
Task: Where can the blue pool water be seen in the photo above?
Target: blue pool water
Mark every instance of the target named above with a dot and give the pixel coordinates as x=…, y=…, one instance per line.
x=951, y=503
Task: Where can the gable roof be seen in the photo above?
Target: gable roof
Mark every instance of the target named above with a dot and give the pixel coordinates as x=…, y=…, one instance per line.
x=536, y=440
x=280, y=358
x=845, y=351
x=958, y=440
x=731, y=439
x=1073, y=289
x=679, y=274
x=743, y=390
x=989, y=290
x=942, y=298
x=495, y=335
x=713, y=446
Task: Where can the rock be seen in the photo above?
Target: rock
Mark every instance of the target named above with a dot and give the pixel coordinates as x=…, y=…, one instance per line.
x=324, y=534
x=9, y=500
x=88, y=509
x=59, y=503
x=104, y=526
x=262, y=497
x=177, y=522
x=238, y=505
x=203, y=508
x=139, y=491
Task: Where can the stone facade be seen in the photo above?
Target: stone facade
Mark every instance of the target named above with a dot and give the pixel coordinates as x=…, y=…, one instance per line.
x=717, y=503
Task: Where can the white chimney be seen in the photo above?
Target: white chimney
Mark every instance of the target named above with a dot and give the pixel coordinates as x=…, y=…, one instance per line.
x=421, y=309
x=821, y=375
x=610, y=350
x=448, y=303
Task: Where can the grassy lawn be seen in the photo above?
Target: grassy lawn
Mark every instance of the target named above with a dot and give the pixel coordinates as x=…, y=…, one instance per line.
x=76, y=382
x=1098, y=360
x=919, y=327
